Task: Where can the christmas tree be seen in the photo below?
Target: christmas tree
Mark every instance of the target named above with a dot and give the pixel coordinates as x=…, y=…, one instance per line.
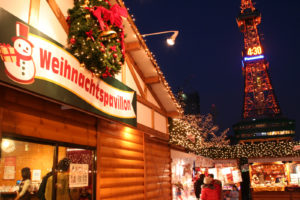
x=96, y=36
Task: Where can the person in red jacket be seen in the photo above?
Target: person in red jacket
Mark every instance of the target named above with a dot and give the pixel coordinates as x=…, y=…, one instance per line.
x=218, y=185
x=209, y=191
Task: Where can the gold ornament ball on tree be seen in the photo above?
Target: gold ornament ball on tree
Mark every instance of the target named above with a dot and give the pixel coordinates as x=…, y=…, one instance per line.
x=86, y=3
x=88, y=16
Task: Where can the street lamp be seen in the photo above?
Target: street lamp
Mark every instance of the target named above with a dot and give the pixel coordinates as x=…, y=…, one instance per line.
x=170, y=41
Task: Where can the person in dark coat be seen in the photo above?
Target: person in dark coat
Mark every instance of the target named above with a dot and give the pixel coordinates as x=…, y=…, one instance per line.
x=42, y=188
x=197, y=185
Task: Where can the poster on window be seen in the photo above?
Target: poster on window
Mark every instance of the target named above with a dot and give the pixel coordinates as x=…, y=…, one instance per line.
x=79, y=175
x=9, y=168
x=36, y=175
x=237, y=177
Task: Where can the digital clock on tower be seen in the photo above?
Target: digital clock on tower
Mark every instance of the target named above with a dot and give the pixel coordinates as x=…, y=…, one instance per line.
x=253, y=51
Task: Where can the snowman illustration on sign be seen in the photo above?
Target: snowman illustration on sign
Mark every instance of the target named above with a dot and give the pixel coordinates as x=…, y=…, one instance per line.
x=23, y=70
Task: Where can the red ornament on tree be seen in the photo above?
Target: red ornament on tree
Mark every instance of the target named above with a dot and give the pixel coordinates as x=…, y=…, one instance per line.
x=106, y=73
x=68, y=20
x=72, y=40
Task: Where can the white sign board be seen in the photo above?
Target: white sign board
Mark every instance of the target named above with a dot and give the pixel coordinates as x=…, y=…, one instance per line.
x=79, y=175
x=36, y=175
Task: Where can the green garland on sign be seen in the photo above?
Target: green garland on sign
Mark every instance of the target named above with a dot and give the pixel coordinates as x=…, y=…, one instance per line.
x=96, y=36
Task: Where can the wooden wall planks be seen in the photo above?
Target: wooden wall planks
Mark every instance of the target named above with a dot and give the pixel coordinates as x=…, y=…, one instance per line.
x=27, y=115
x=130, y=165
x=122, y=163
x=158, y=175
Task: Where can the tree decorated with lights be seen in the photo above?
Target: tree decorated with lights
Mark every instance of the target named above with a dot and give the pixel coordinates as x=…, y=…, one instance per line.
x=194, y=132
x=96, y=36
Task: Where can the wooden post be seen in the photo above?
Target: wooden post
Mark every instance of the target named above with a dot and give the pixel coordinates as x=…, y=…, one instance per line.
x=59, y=15
x=145, y=168
x=34, y=10
x=152, y=119
x=124, y=73
x=1, y=118
x=98, y=156
x=171, y=160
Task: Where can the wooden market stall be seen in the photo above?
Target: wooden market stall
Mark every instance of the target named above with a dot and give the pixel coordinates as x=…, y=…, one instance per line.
x=275, y=178
x=126, y=156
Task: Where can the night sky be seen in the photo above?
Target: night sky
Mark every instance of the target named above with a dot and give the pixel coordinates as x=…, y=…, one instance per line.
x=207, y=55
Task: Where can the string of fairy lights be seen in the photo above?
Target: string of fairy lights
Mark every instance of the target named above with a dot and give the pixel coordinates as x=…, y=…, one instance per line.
x=179, y=131
x=178, y=134
x=260, y=150
x=151, y=56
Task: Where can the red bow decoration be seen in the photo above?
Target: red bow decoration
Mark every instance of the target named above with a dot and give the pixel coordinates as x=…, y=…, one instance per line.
x=116, y=13
x=90, y=34
x=122, y=43
x=113, y=48
x=97, y=12
x=113, y=15
x=106, y=73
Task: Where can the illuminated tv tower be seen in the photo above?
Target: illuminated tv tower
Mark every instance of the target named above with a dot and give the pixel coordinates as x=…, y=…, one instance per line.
x=261, y=112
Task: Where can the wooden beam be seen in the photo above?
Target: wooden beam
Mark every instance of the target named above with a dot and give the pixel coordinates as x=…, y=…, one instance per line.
x=153, y=133
x=124, y=74
x=152, y=80
x=152, y=119
x=157, y=99
x=34, y=10
x=140, y=73
x=150, y=105
x=59, y=15
x=173, y=114
x=143, y=78
x=133, y=46
x=136, y=80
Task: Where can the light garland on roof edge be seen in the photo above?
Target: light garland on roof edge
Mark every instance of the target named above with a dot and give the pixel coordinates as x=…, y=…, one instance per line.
x=151, y=56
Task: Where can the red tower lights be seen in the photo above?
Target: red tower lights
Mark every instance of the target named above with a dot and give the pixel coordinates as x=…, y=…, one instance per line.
x=259, y=97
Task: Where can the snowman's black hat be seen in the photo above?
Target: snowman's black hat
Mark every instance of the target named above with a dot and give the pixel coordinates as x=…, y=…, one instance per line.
x=22, y=31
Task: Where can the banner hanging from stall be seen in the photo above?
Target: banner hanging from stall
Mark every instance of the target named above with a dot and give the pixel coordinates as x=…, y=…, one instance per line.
x=32, y=61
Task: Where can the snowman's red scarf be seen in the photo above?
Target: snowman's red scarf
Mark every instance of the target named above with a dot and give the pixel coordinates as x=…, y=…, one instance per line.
x=20, y=56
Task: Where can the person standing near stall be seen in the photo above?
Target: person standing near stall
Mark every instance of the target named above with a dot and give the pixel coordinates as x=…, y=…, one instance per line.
x=209, y=192
x=234, y=193
x=218, y=185
x=62, y=189
x=25, y=185
x=197, y=186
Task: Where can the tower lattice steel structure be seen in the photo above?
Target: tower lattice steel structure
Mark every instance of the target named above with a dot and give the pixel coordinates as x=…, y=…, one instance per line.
x=262, y=118
x=259, y=97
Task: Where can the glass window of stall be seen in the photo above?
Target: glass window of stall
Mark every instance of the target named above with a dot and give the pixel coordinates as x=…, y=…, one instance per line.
x=23, y=163
x=72, y=177
x=268, y=176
